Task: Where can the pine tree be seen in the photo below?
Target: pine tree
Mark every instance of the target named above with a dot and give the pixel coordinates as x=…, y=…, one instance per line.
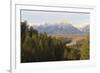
x=85, y=49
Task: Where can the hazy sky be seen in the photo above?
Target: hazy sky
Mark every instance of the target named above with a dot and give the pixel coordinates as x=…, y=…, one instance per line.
x=42, y=17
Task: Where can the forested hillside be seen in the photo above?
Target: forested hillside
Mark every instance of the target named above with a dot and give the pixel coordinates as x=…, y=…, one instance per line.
x=39, y=47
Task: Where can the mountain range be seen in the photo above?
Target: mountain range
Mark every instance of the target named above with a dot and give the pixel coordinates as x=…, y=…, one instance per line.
x=62, y=28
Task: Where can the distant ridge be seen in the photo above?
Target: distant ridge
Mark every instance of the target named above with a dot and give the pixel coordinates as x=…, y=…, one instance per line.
x=60, y=28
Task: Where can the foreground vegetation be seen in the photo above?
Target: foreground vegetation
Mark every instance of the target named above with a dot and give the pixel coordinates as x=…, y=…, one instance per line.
x=85, y=51
x=38, y=47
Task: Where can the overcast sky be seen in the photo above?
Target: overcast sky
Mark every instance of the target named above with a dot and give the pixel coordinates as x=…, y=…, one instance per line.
x=42, y=17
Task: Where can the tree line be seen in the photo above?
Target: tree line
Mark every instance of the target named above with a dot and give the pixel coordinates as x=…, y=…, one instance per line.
x=39, y=47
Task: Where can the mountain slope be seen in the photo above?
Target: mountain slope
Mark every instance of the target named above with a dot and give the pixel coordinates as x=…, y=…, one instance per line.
x=59, y=29
x=85, y=29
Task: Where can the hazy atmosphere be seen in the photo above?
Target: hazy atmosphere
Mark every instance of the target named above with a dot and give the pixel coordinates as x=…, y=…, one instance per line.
x=42, y=17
